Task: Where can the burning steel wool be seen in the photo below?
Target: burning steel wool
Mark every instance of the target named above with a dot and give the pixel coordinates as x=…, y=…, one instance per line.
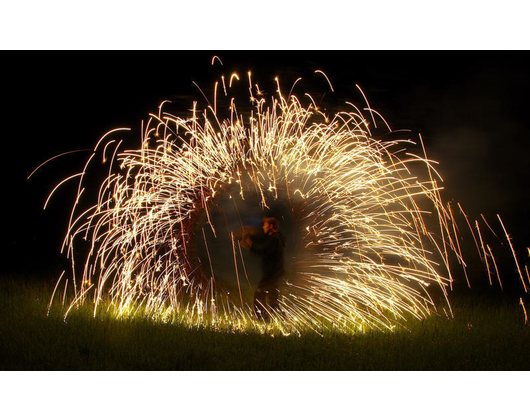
x=371, y=238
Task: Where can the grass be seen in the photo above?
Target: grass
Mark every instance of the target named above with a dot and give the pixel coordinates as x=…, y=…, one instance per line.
x=486, y=334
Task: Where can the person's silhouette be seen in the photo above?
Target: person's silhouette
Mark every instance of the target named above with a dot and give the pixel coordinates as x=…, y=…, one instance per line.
x=269, y=246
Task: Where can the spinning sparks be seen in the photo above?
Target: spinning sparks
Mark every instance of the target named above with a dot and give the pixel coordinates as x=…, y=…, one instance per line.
x=371, y=236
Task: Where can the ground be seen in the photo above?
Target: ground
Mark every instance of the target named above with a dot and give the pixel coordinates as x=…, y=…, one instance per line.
x=485, y=334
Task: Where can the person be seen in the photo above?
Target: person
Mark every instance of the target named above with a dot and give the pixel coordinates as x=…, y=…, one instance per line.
x=269, y=246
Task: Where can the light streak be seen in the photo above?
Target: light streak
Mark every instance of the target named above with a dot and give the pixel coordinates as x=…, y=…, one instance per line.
x=216, y=58
x=524, y=310
x=324, y=74
x=373, y=231
x=368, y=104
x=58, y=185
x=55, y=157
x=513, y=253
x=53, y=294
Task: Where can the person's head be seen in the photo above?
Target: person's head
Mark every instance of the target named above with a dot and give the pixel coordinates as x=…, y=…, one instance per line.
x=270, y=225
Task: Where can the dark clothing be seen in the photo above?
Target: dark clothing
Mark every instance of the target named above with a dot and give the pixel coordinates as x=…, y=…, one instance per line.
x=270, y=247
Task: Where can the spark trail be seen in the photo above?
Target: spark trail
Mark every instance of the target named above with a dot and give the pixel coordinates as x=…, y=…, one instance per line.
x=374, y=235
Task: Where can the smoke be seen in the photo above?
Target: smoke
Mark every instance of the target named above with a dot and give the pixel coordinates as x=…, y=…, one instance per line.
x=477, y=136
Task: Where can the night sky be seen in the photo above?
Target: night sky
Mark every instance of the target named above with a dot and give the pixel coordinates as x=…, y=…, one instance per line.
x=470, y=108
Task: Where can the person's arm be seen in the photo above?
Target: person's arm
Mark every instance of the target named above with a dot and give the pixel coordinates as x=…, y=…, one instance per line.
x=246, y=242
x=244, y=235
x=258, y=243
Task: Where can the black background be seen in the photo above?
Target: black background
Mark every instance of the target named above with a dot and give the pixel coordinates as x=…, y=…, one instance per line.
x=469, y=106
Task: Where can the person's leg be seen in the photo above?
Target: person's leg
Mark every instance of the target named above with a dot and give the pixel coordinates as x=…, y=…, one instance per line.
x=273, y=296
x=260, y=303
x=268, y=295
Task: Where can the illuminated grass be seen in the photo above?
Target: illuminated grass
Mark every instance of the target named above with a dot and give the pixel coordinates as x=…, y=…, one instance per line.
x=485, y=335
